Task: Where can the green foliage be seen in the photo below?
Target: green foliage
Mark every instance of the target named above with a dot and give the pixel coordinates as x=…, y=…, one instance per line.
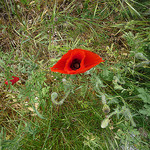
x=136, y=43
x=105, y=107
x=128, y=135
x=145, y=96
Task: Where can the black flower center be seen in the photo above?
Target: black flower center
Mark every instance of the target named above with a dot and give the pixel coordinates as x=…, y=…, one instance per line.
x=75, y=64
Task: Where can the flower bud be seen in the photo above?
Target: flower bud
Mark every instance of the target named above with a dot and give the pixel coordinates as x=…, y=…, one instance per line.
x=54, y=95
x=105, y=122
x=106, y=109
x=64, y=80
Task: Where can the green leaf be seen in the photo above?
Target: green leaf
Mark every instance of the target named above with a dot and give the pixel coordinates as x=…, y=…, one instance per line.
x=146, y=110
x=107, y=75
x=144, y=95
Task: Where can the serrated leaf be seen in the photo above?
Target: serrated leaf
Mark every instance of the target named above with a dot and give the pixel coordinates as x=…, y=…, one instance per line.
x=144, y=95
x=118, y=87
x=107, y=75
x=146, y=110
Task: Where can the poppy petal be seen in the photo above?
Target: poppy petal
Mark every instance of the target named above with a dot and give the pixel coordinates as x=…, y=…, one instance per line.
x=76, y=61
x=76, y=55
x=14, y=80
x=59, y=66
x=92, y=59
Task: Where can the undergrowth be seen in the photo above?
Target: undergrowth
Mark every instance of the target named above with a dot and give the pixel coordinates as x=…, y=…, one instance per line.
x=106, y=107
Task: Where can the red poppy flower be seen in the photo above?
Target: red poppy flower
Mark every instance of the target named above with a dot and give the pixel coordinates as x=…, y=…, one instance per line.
x=13, y=81
x=76, y=61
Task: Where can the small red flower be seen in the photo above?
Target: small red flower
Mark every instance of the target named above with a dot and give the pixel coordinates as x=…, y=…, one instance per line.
x=6, y=82
x=76, y=61
x=13, y=81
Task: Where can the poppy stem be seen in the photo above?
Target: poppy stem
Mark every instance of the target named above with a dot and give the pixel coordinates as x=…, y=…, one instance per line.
x=55, y=95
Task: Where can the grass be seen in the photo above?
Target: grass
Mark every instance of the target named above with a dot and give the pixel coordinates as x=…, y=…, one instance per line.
x=107, y=107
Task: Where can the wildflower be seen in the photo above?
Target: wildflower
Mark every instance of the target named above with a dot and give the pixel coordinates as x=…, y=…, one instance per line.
x=76, y=61
x=13, y=81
